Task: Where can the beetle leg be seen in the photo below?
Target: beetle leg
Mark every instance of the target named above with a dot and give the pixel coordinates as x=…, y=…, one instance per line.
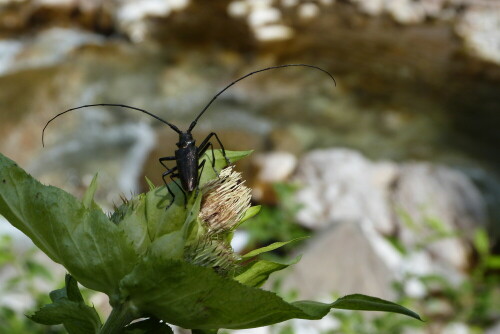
x=201, y=166
x=202, y=151
x=204, y=145
x=177, y=184
x=166, y=159
x=163, y=176
x=169, y=172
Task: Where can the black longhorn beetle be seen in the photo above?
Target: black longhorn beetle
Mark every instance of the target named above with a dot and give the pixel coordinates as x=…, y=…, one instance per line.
x=187, y=155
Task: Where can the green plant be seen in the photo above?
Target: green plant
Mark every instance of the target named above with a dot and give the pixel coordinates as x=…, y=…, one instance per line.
x=274, y=223
x=475, y=301
x=25, y=277
x=175, y=265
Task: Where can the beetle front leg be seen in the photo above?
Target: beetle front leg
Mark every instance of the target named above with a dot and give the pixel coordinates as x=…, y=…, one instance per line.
x=183, y=191
x=204, y=145
x=202, y=151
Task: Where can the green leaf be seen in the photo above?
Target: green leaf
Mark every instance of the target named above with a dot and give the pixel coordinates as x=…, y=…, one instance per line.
x=134, y=224
x=209, y=172
x=159, y=220
x=151, y=185
x=88, y=197
x=355, y=302
x=84, y=240
x=197, y=297
x=436, y=225
x=251, y=212
x=169, y=246
x=72, y=291
x=148, y=326
x=146, y=219
x=481, y=242
x=493, y=262
x=68, y=308
x=189, y=229
x=256, y=273
x=269, y=248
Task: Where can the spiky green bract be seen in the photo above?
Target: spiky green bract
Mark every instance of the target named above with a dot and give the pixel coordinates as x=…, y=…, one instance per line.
x=216, y=254
x=144, y=218
x=68, y=308
x=79, y=236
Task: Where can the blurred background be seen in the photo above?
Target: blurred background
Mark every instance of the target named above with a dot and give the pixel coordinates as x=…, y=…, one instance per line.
x=395, y=172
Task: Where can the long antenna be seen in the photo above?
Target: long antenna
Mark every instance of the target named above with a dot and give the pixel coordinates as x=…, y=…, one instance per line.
x=193, y=124
x=176, y=129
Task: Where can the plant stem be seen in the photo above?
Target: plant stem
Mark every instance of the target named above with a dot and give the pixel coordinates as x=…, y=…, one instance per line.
x=118, y=319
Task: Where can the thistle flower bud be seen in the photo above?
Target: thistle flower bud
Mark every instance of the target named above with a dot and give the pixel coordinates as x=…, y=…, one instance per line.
x=224, y=202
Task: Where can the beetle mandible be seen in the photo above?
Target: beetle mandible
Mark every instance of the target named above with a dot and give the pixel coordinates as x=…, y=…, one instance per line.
x=187, y=154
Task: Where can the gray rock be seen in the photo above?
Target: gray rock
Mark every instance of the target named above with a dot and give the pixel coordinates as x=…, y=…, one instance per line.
x=271, y=168
x=275, y=166
x=456, y=328
x=436, y=202
x=427, y=207
x=480, y=31
x=341, y=185
x=352, y=257
x=129, y=144
x=47, y=48
x=495, y=329
x=345, y=258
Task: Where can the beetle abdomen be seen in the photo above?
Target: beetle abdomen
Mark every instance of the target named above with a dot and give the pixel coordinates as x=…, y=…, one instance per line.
x=187, y=165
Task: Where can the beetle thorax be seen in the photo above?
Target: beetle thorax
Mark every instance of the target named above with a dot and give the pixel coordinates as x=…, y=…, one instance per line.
x=185, y=140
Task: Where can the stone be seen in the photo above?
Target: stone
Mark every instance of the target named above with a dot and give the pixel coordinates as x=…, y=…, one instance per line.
x=431, y=201
x=275, y=166
x=89, y=150
x=495, y=329
x=270, y=168
x=480, y=29
x=425, y=206
x=352, y=257
x=456, y=328
x=47, y=48
x=342, y=185
x=343, y=259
